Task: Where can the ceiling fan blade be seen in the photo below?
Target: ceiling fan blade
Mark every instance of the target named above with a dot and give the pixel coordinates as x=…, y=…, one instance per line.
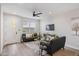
x=36, y=14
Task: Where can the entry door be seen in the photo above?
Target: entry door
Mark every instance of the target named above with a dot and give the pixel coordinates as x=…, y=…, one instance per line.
x=11, y=32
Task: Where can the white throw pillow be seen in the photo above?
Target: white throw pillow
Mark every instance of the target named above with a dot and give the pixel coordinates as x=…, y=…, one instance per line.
x=28, y=35
x=51, y=38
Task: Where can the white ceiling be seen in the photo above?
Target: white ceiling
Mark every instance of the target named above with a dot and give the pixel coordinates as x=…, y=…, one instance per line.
x=55, y=8
x=52, y=8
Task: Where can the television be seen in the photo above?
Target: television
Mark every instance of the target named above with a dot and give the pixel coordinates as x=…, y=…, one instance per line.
x=50, y=27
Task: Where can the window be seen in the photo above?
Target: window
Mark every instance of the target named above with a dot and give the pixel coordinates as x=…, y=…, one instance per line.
x=29, y=26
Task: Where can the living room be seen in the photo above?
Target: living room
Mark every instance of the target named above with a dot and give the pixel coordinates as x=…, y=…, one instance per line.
x=51, y=19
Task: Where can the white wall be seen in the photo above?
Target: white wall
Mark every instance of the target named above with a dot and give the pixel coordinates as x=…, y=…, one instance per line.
x=0, y=28
x=45, y=20
x=63, y=27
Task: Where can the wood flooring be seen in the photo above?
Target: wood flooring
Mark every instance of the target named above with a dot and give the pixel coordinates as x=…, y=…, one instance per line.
x=32, y=49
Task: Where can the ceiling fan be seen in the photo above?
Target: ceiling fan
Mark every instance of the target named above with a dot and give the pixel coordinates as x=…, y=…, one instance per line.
x=36, y=14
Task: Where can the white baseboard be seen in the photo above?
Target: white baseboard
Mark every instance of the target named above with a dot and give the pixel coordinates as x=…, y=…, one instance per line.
x=77, y=48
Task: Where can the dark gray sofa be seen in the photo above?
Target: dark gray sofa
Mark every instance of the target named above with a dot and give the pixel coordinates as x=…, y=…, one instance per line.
x=55, y=45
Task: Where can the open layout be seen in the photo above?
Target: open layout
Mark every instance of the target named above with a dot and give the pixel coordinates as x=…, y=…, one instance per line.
x=39, y=29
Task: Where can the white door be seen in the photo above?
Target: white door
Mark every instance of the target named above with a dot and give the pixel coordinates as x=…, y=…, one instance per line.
x=12, y=29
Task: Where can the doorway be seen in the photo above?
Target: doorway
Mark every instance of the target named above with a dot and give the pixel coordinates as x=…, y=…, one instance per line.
x=11, y=28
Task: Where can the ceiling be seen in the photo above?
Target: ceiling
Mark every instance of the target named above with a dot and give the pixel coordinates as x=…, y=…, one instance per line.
x=54, y=8
x=47, y=8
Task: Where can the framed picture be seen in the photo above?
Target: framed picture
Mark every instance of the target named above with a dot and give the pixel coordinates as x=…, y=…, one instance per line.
x=75, y=26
